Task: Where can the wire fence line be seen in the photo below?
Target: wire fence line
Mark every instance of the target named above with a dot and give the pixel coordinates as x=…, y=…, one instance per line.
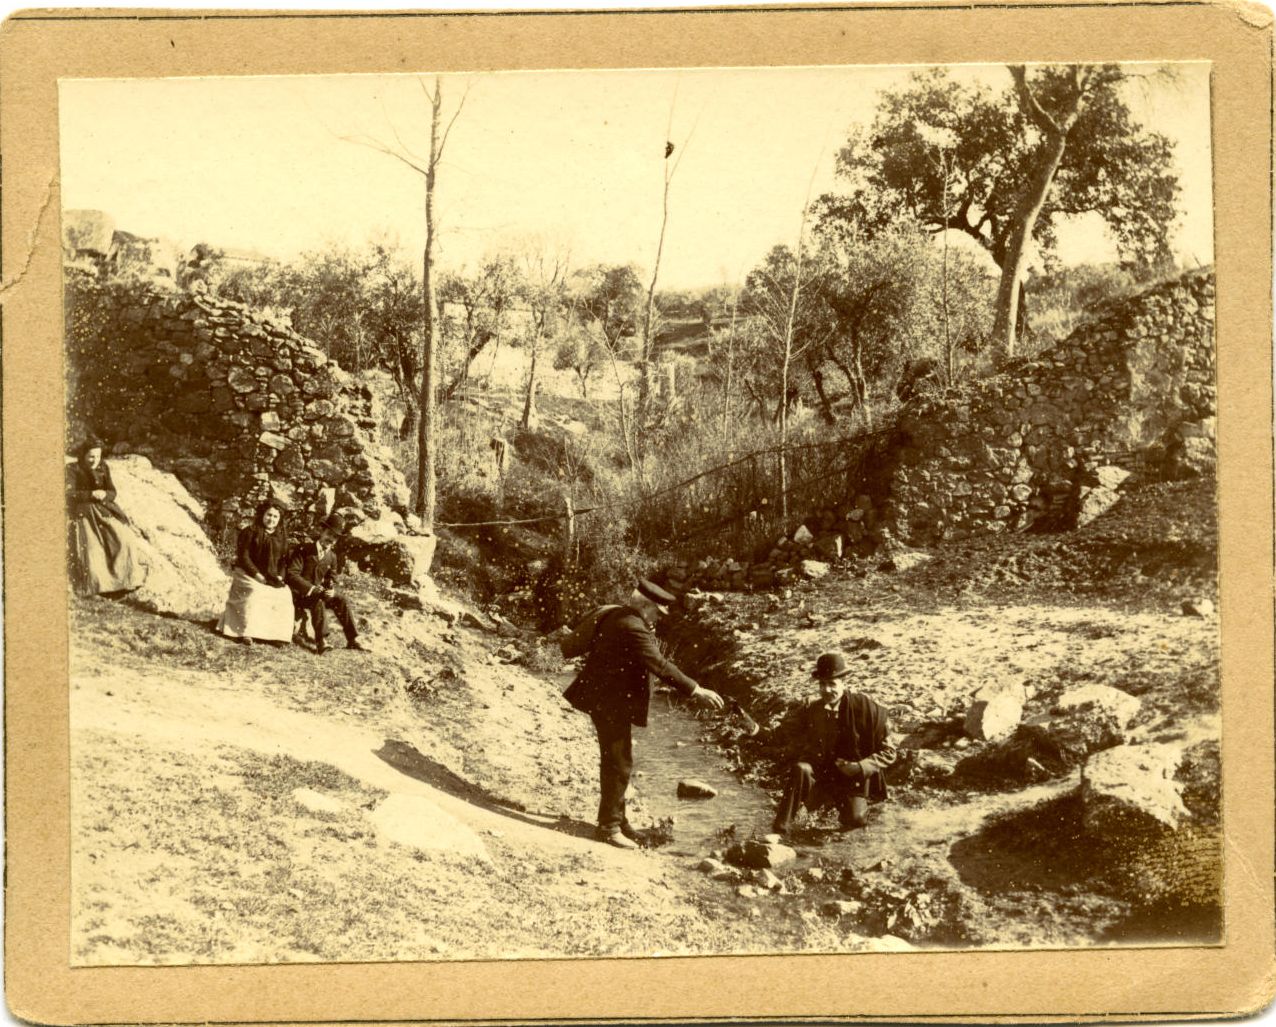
x=852, y=465
x=630, y=504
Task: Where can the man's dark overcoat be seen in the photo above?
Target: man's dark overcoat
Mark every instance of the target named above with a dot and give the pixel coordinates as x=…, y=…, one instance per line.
x=309, y=572
x=857, y=731
x=616, y=677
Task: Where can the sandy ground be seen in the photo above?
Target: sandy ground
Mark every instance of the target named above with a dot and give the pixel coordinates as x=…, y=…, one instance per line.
x=432, y=801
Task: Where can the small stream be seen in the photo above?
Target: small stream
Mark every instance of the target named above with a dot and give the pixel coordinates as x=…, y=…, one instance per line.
x=670, y=749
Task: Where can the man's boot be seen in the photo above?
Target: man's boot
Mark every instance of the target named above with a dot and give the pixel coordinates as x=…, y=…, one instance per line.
x=616, y=838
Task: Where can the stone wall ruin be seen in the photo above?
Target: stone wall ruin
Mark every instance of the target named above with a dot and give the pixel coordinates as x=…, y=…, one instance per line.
x=230, y=400
x=1045, y=444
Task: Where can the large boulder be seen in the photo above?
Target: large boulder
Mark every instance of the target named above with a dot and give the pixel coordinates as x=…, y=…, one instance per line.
x=1097, y=498
x=759, y=854
x=689, y=788
x=1132, y=785
x=1192, y=456
x=1100, y=701
x=1083, y=721
x=184, y=576
x=402, y=559
x=995, y=711
x=902, y=560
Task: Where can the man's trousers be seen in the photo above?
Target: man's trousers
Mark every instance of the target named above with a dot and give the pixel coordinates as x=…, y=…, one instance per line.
x=830, y=788
x=315, y=604
x=615, y=765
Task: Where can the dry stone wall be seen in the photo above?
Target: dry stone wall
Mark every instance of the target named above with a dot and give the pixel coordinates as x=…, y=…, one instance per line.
x=232, y=401
x=1133, y=387
x=1046, y=443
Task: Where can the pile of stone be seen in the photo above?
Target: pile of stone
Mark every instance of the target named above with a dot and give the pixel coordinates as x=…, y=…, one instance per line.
x=1044, y=443
x=1086, y=728
x=1038, y=442
x=231, y=400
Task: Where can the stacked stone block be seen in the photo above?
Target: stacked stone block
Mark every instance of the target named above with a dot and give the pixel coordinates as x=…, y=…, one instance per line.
x=229, y=399
x=1046, y=442
x=1128, y=387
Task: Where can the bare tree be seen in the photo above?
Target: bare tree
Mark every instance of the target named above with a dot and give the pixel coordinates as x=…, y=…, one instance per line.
x=781, y=322
x=545, y=283
x=647, y=351
x=427, y=169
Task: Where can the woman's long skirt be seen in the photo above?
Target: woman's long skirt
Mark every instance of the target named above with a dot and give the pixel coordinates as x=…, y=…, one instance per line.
x=254, y=610
x=105, y=554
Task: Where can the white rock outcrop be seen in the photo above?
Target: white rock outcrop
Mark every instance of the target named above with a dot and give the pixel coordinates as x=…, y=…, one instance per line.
x=184, y=576
x=1132, y=781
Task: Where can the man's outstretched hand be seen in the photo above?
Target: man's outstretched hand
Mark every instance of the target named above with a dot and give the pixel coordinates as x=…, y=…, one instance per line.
x=707, y=697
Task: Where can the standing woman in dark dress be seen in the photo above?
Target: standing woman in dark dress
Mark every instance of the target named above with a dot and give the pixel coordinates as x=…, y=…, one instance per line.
x=260, y=604
x=105, y=553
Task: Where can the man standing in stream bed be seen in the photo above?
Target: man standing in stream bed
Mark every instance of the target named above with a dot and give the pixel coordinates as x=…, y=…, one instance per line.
x=840, y=738
x=614, y=688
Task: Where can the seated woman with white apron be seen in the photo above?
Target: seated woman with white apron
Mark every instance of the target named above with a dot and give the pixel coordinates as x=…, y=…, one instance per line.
x=260, y=603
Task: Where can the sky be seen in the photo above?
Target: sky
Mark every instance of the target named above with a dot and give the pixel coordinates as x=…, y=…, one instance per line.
x=568, y=160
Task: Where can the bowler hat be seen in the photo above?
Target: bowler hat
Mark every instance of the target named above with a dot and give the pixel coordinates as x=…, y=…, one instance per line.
x=830, y=665
x=656, y=594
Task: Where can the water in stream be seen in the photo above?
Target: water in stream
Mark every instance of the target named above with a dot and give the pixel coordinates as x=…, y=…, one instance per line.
x=670, y=749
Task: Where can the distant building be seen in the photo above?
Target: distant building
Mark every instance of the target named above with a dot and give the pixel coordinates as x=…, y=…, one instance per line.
x=237, y=258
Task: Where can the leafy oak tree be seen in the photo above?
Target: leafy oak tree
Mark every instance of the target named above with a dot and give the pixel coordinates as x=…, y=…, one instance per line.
x=475, y=309
x=1058, y=142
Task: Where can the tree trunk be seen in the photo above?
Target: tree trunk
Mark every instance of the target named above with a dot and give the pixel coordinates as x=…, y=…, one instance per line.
x=408, y=426
x=529, y=401
x=826, y=408
x=784, y=380
x=426, y=486
x=1054, y=140
x=463, y=375
x=861, y=391
x=648, y=342
x=1027, y=210
x=726, y=389
x=950, y=354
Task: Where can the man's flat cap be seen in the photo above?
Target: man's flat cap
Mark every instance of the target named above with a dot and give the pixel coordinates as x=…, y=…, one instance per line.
x=656, y=594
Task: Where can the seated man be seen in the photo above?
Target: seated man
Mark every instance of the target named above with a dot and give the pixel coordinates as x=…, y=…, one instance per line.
x=309, y=573
x=841, y=737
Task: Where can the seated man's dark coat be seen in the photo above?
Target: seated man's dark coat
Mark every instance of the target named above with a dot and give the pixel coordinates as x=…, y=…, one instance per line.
x=307, y=572
x=857, y=731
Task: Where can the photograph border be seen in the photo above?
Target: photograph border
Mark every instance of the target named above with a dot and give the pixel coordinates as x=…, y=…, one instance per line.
x=37, y=48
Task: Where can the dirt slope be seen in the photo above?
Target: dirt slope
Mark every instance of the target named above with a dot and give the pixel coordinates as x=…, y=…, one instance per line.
x=433, y=800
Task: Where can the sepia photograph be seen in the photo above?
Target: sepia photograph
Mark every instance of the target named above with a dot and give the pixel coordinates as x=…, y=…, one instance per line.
x=700, y=511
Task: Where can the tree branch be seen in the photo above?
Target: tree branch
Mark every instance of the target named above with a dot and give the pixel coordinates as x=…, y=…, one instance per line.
x=455, y=114
x=1029, y=102
x=375, y=144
